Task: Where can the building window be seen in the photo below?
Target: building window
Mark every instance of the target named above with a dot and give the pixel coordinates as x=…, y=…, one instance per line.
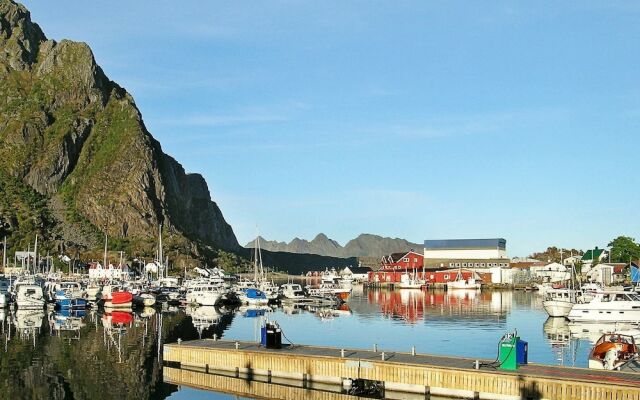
x=482, y=265
x=476, y=265
x=406, y=259
x=446, y=277
x=457, y=264
x=415, y=259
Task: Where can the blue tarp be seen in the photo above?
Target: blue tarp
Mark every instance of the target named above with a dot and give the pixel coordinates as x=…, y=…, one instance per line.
x=635, y=273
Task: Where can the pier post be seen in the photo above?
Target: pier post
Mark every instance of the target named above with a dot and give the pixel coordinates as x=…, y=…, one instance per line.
x=383, y=356
x=237, y=345
x=342, y=353
x=413, y=350
x=375, y=348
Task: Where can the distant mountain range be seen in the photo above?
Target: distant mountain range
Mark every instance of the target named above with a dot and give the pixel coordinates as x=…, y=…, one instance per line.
x=365, y=245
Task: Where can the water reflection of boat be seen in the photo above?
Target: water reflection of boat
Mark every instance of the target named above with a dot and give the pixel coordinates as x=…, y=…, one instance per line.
x=117, y=320
x=28, y=322
x=557, y=331
x=593, y=331
x=254, y=310
x=65, y=322
x=204, y=317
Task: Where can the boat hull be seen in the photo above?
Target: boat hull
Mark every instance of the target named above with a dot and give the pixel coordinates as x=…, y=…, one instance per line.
x=557, y=308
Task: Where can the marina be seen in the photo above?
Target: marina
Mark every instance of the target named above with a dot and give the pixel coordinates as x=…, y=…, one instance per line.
x=398, y=323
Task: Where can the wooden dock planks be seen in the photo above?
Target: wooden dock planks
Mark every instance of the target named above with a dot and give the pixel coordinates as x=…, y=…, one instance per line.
x=452, y=376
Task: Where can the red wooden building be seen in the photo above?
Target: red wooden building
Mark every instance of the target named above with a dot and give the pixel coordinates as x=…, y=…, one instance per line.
x=402, y=261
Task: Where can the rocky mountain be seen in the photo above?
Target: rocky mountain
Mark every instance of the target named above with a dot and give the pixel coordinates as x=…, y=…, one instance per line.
x=365, y=245
x=76, y=158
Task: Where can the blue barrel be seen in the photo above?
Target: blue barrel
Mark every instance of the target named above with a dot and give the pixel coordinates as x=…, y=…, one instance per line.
x=263, y=335
x=522, y=352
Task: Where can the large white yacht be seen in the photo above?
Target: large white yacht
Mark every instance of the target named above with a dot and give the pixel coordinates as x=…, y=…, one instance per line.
x=205, y=294
x=610, y=306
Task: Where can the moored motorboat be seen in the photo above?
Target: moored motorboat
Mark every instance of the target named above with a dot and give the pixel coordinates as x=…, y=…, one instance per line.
x=205, y=294
x=144, y=299
x=461, y=283
x=608, y=306
x=29, y=296
x=115, y=297
x=614, y=350
x=559, y=302
x=253, y=296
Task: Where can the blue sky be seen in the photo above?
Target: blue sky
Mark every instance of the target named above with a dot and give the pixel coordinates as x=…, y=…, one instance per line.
x=418, y=120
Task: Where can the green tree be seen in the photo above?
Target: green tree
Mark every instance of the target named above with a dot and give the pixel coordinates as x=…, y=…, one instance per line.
x=624, y=249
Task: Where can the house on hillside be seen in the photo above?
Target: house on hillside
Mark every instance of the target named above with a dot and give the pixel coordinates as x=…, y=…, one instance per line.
x=571, y=261
x=553, y=272
x=607, y=273
x=590, y=256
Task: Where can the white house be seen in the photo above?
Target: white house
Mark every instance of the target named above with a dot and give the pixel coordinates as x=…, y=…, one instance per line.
x=358, y=274
x=554, y=272
x=571, y=261
x=97, y=271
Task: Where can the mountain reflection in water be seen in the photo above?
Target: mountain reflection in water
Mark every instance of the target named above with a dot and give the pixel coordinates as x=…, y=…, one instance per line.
x=117, y=355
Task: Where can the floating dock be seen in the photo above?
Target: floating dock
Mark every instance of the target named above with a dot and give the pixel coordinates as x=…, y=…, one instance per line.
x=231, y=367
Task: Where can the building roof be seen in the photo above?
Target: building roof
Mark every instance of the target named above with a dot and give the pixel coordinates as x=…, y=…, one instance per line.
x=591, y=254
x=360, y=270
x=463, y=244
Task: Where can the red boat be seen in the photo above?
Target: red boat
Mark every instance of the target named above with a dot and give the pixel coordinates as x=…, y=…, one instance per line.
x=116, y=298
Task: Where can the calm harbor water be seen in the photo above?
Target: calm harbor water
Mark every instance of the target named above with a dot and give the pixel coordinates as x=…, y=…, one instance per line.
x=49, y=355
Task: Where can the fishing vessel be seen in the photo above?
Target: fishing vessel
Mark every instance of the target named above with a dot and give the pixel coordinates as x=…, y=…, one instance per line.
x=609, y=306
x=614, y=350
x=409, y=281
x=461, y=283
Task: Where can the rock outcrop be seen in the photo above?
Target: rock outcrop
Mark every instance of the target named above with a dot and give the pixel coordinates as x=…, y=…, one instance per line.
x=72, y=135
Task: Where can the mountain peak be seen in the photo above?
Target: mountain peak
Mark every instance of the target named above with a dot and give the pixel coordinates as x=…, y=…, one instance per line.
x=20, y=38
x=365, y=245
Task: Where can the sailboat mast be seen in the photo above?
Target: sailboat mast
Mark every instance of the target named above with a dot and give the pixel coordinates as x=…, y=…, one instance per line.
x=255, y=259
x=4, y=254
x=35, y=257
x=160, y=258
x=104, y=259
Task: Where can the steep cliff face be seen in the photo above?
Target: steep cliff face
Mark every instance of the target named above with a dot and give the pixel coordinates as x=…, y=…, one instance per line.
x=78, y=139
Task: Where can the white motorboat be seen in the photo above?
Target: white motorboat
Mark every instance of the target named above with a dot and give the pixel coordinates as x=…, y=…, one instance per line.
x=292, y=291
x=461, y=283
x=29, y=296
x=558, y=302
x=329, y=289
x=252, y=296
x=610, y=306
x=205, y=294
x=144, y=299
